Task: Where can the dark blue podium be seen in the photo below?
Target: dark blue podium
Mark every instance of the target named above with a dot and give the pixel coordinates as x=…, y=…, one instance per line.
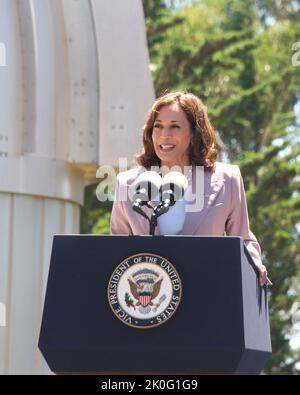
x=221, y=325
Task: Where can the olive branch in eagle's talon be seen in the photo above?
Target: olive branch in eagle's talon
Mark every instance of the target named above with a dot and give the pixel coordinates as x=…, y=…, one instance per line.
x=129, y=301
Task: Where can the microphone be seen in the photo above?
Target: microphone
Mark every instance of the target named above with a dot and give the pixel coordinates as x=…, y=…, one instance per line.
x=174, y=185
x=147, y=188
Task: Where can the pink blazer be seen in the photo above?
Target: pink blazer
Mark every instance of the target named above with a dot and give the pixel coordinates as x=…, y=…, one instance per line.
x=224, y=211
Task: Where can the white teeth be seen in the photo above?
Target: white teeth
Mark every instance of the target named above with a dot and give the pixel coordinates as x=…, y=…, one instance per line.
x=167, y=146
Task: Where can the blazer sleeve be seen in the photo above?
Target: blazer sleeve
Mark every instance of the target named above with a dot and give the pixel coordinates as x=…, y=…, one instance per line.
x=237, y=223
x=119, y=223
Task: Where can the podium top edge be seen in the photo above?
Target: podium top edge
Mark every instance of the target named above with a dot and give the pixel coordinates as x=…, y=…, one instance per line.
x=155, y=236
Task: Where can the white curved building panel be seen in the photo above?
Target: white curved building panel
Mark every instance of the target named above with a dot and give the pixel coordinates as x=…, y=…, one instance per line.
x=84, y=81
x=24, y=265
x=23, y=306
x=25, y=36
x=10, y=81
x=74, y=94
x=44, y=61
x=29, y=174
x=126, y=88
x=5, y=258
x=62, y=83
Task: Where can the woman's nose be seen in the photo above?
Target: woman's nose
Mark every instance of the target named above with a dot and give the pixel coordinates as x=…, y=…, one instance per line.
x=165, y=132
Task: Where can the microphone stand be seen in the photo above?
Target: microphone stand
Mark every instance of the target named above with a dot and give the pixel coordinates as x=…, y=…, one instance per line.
x=152, y=224
x=158, y=210
x=167, y=199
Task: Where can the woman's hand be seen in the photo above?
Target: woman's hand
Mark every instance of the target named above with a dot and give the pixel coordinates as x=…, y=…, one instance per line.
x=263, y=276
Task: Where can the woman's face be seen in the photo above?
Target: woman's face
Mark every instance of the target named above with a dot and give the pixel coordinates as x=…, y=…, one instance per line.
x=171, y=136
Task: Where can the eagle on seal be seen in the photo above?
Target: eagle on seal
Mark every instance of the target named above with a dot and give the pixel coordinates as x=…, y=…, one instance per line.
x=144, y=292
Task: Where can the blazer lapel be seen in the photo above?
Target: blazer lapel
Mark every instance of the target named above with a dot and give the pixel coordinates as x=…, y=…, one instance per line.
x=212, y=187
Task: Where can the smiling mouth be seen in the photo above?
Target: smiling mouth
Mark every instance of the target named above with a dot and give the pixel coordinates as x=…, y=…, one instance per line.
x=167, y=147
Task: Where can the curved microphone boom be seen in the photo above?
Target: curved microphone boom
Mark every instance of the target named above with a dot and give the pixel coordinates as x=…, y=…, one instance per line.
x=149, y=185
x=147, y=188
x=173, y=187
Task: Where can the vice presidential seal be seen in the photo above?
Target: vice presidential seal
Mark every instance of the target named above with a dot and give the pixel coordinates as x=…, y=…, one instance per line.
x=144, y=290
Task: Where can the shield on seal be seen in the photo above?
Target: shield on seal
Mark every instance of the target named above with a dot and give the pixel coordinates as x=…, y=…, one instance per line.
x=144, y=299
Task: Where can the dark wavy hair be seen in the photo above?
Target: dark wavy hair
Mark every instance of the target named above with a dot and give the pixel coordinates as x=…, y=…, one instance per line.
x=203, y=148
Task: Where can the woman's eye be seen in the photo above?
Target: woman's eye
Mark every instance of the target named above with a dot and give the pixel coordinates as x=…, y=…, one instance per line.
x=173, y=126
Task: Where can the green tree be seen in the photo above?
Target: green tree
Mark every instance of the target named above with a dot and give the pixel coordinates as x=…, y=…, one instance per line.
x=158, y=19
x=95, y=215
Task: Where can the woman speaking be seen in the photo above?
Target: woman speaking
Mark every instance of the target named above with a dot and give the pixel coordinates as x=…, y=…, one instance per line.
x=178, y=135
